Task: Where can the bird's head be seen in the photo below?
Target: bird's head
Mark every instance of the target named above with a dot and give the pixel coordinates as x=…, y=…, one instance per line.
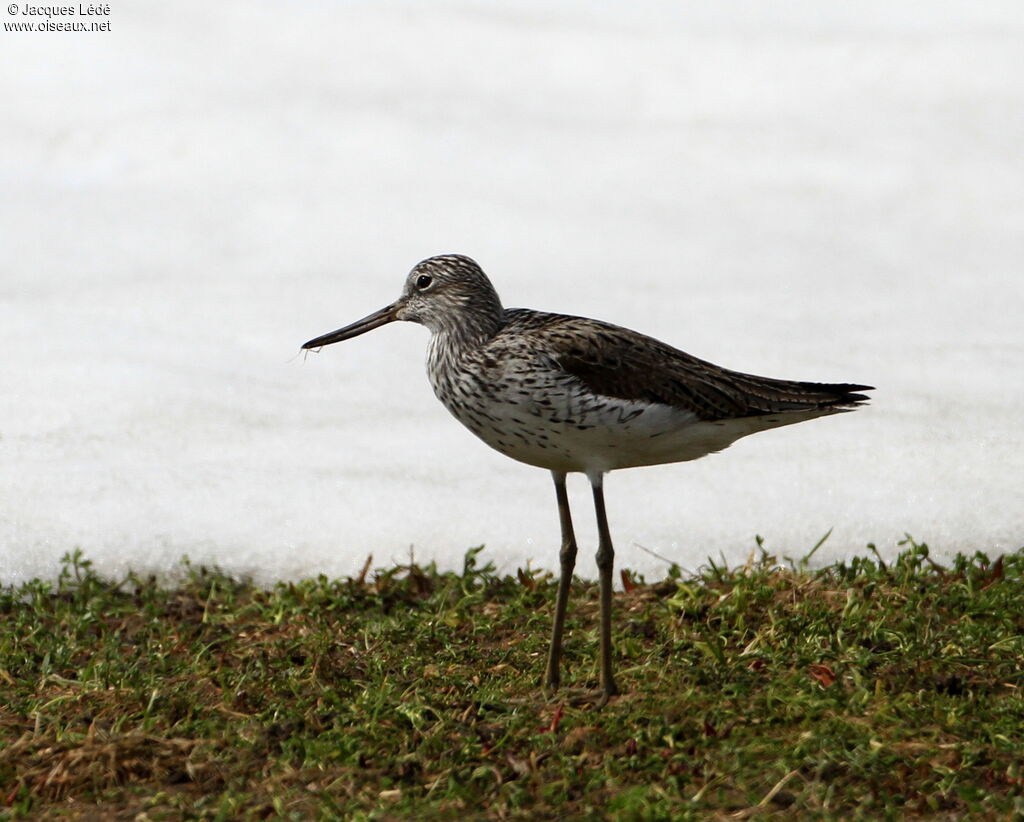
x=448, y=293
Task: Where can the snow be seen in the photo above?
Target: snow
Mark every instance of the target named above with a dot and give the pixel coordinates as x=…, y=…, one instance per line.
x=811, y=190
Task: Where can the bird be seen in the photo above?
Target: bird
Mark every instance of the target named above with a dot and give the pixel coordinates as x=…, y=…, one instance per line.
x=572, y=394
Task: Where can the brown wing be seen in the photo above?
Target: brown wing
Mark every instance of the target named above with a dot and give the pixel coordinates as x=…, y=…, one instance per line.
x=617, y=362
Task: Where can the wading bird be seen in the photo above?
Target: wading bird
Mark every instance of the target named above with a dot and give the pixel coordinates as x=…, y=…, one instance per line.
x=572, y=394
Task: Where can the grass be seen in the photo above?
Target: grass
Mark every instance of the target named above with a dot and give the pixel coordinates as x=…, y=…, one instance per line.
x=863, y=690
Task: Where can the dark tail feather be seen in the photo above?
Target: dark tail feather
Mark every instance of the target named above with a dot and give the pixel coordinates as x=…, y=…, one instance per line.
x=842, y=393
x=766, y=395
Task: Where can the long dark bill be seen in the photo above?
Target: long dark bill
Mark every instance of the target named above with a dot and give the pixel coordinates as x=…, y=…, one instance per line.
x=374, y=320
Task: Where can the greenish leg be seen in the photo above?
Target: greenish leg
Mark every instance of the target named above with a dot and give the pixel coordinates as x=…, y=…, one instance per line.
x=605, y=562
x=567, y=560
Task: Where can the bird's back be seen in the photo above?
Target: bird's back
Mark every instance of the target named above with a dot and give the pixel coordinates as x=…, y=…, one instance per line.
x=618, y=362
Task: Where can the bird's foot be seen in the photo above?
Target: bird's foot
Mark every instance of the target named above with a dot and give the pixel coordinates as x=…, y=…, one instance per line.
x=577, y=697
x=598, y=697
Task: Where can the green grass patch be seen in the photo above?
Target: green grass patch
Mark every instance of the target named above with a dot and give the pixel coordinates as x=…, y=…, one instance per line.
x=863, y=690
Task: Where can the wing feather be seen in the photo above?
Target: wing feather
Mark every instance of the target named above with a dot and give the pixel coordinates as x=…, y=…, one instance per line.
x=617, y=362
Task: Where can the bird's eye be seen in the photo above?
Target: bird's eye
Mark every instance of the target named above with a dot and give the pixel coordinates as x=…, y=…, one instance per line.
x=423, y=281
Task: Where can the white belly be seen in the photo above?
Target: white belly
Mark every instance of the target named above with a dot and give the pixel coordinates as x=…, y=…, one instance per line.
x=622, y=434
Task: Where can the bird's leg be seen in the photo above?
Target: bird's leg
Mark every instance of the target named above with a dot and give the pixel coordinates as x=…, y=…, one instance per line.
x=605, y=561
x=567, y=560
